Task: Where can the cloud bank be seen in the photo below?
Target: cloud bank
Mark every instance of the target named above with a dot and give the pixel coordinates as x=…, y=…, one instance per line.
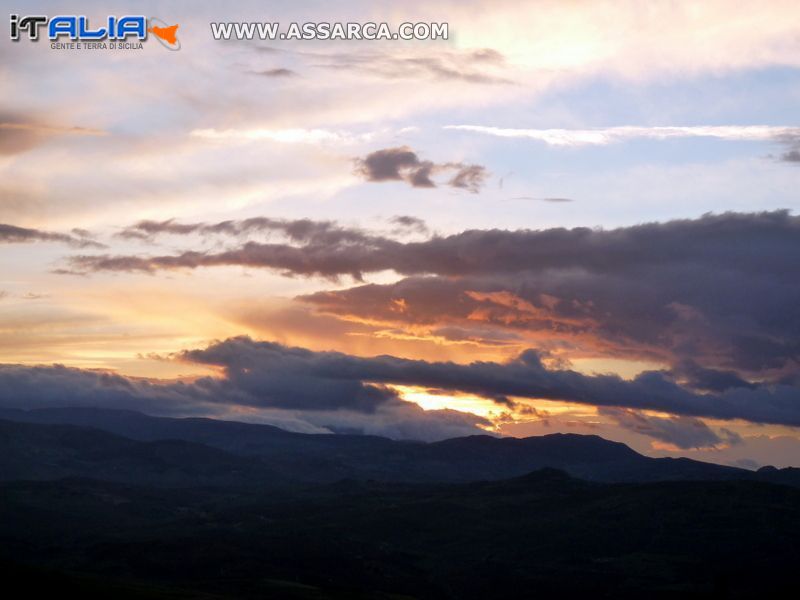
x=682, y=432
x=267, y=376
x=720, y=293
x=319, y=405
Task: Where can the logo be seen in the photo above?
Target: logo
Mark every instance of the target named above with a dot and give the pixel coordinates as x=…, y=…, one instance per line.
x=166, y=34
x=76, y=32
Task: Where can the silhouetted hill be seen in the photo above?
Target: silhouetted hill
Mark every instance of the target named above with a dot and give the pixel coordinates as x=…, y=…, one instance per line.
x=541, y=535
x=786, y=476
x=329, y=458
x=96, y=513
x=42, y=452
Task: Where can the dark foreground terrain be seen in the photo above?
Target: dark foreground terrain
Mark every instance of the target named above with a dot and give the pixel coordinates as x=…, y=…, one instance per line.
x=167, y=515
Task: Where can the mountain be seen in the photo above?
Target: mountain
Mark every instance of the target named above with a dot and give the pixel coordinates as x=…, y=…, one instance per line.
x=45, y=452
x=785, y=476
x=254, y=511
x=262, y=452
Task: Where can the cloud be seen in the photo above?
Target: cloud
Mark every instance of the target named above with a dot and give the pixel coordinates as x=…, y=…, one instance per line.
x=483, y=66
x=718, y=291
x=276, y=73
x=721, y=290
x=404, y=420
x=792, y=144
x=469, y=177
x=712, y=380
x=679, y=431
x=295, y=230
x=19, y=134
x=32, y=387
x=395, y=164
x=712, y=240
x=27, y=296
x=319, y=405
x=315, y=136
x=270, y=376
x=406, y=223
x=11, y=234
x=479, y=335
x=611, y=135
x=792, y=156
x=545, y=199
x=787, y=136
x=403, y=164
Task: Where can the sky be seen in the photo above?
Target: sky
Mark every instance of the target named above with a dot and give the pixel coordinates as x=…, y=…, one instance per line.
x=572, y=216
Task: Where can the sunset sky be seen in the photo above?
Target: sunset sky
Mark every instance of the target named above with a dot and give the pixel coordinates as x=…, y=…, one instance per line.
x=570, y=216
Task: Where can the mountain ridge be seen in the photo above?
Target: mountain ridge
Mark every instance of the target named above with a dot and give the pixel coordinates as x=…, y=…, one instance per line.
x=269, y=454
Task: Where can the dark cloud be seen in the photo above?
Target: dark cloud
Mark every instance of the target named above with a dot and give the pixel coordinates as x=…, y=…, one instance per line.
x=11, y=234
x=792, y=156
x=269, y=376
x=390, y=164
x=753, y=243
x=403, y=164
x=791, y=143
x=409, y=223
x=693, y=320
x=680, y=431
x=303, y=239
x=320, y=403
x=276, y=73
x=420, y=176
x=469, y=177
x=148, y=230
x=58, y=386
x=295, y=230
x=711, y=380
x=722, y=290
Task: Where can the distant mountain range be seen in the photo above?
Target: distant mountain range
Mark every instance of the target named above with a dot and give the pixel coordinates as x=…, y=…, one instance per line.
x=131, y=447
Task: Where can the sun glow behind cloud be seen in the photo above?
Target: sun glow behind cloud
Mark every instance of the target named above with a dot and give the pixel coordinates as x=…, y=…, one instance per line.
x=523, y=409
x=435, y=400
